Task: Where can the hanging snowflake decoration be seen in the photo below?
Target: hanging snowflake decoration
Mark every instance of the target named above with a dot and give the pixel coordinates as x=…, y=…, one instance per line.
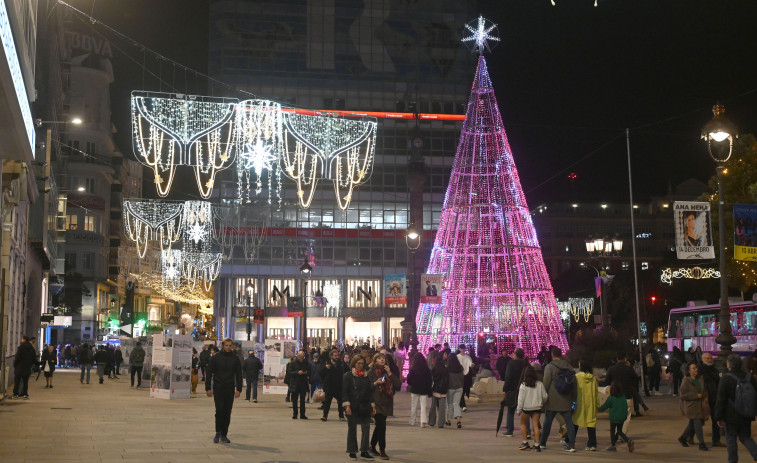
x=482, y=32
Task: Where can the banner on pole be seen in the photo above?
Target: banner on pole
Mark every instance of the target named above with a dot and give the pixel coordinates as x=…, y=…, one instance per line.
x=431, y=288
x=395, y=289
x=693, y=231
x=745, y=232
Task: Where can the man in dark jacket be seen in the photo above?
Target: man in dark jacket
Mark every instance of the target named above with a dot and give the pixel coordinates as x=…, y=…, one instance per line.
x=25, y=358
x=711, y=377
x=331, y=378
x=512, y=378
x=101, y=360
x=85, y=360
x=223, y=376
x=502, y=362
x=204, y=358
x=726, y=415
x=299, y=380
x=628, y=378
x=251, y=369
x=136, y=361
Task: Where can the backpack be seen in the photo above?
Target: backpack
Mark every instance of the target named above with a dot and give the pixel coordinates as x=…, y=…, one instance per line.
x=565, y=379
x=650, y=361
x=85, y=356
x=745, y=398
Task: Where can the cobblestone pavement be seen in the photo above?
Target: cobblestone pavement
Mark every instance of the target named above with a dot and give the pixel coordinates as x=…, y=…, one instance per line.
x=113, y=422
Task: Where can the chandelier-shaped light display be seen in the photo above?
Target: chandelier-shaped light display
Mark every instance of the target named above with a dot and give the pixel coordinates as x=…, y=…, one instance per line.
x=259, y=131
x=329, y=148
x=201, y=261
x=581, y=306
x=241, y=227
x=170, y=130
x=332, y=292
x=495, y=280
x=148, y=220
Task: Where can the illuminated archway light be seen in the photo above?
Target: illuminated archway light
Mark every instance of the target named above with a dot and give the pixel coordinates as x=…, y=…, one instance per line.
x=146, y=220
x=694, y=273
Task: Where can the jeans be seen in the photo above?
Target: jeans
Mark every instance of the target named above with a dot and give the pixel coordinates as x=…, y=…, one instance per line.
x=715, y=427
x=414, y=399
x=616, y=430
x=453, y=403
x=300, y=392
x=224, y=400
x=101, y=371
x=439, y=403
x=592, y=442
x=694, y=427
x=85, y=366
x=365, y=427
x=549, y=417
x=252, y=386
x=510, y=420
x=136, y=371
x=313, y=386
x=21, y=384
x=379, y=432
x=327, y=404
x=744, y=433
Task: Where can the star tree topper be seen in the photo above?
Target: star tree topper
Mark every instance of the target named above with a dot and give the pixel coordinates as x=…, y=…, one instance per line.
x=482, y=32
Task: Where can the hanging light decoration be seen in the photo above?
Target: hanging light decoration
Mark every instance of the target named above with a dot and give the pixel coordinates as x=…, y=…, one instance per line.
x=173, y=129
x=146, y=219
x=332, y=292
x=200, y=260
x=330, y=148
x=581, y=306
x=241, y=227
x=259, y=132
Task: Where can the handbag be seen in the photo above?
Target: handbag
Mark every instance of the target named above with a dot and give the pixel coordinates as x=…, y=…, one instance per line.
x=47, y=367
x=319, y=396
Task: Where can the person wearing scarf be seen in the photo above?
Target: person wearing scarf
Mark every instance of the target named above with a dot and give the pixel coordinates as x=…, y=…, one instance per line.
x=693, y=400
x=357, y=396
x=384, y=382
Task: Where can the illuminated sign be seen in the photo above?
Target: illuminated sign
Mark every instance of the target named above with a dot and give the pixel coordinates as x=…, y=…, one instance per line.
x=9, y=46
x=60, y=320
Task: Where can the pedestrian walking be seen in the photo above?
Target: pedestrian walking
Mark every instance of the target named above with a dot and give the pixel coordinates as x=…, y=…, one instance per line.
x=439, y=388
x=299, y=378
x=119, y=359
x=204, y=358
x=251, y=369
x=385, y=383
x=136, y=362
x=733, y=416
x=510, y=389
x=675, y=369
x=587, y=402
x=532, y=396
x=469, y=371
x=419, y=386
x=315, y=374
x=618, y=407
x=86, y=358
x=357, y=394
x=223, y=382
x=629, y=380
x=332, y=372
x=25, y=359
x=195, y=373
x=456, y=376
x=693, y=401
x=654, y=370
x=48, y=365
x=560, y=383
x=101, y=361
x=711, y=377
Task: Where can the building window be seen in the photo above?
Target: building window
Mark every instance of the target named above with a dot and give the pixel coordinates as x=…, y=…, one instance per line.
x=70, y=262
x=89, y=223
x=72, y=222
x=89, y=261
x=91, y=147
x=90, y=185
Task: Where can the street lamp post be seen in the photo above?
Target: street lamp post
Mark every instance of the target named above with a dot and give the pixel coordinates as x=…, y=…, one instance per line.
x=603, y=247
x=249, y=309
x=719, y=134
x=413, y=242
x=306, y=270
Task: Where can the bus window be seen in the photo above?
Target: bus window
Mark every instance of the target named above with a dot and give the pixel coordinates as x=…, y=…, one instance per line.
x=675, y=327
x=707, y=325
x=688, y=326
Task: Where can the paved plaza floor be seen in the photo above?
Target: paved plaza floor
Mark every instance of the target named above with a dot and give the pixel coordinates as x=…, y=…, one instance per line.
x=112, y=422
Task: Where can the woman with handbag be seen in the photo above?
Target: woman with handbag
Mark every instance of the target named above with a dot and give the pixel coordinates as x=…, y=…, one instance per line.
x=419, y=386
x=357, y=397
x=384, y=382
x=440, y=385
x=49, y=359
x=693, y=402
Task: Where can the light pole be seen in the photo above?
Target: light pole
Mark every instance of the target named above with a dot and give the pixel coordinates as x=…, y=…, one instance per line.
x=249, y=290
x=306, y=270
x=719, y=134
x=602, y=247
x=413, y=242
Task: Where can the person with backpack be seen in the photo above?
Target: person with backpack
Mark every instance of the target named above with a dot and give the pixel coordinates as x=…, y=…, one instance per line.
x=560, y=383
x=136, y=361
x=693, y=400
x=654, y=370
x=735, y=407
x=618, y=405
x=85, y=360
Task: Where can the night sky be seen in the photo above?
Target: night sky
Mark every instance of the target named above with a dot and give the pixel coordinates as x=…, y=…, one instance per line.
x=568, y=78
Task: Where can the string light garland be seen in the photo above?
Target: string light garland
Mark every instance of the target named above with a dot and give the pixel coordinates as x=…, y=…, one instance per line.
x=259, y=131
x=494, y=277
x=148, y=220
x=330, y=148
x=170, y=130
x=693, y=273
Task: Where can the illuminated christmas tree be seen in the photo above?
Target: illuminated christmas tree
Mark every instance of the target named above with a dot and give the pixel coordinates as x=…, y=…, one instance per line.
x=495, y=281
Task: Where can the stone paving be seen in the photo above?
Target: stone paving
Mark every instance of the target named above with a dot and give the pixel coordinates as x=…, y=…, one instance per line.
x=112, y=422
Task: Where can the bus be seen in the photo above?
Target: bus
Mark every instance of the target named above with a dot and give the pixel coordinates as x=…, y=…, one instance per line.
x=698, y=326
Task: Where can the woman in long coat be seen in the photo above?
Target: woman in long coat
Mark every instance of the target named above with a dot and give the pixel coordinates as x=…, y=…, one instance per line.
x=693, y=400
x=49, y=359
x=587, y=402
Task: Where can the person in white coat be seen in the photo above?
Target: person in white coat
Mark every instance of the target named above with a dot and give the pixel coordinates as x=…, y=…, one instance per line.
x=531, y=399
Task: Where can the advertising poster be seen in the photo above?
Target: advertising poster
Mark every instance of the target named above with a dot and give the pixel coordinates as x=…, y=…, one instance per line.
x=170, y=372
x=395, y=289
x=745, y=232
x=431, y=289
x=692, y=230
x=277, y=355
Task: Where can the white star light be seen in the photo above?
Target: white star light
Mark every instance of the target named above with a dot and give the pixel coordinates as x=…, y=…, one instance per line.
x=196, y=232
x=480, y=36
x=258, y=156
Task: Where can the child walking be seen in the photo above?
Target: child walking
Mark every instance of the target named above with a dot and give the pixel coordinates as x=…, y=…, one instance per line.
x=531, y=399
x=618, y=415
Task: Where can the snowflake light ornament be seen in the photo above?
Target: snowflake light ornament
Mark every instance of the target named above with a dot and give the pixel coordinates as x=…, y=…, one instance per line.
x=482, y=32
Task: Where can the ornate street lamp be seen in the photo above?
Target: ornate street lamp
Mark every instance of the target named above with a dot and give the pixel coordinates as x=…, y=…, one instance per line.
x=413, y=237
x=719, y=134
x=306, y=270
x=603, y=247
